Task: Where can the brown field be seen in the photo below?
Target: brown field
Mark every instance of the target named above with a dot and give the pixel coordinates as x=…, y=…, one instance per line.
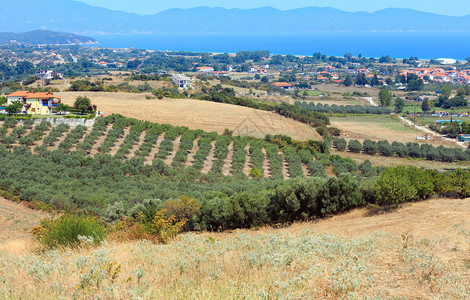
x=196, y=114
x=419, y=251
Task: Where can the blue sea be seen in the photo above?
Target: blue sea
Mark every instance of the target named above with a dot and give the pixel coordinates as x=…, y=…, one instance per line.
x=424, y=45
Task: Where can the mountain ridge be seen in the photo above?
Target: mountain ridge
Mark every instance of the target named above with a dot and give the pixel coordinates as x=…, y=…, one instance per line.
x=81, y=18
x=43, y=37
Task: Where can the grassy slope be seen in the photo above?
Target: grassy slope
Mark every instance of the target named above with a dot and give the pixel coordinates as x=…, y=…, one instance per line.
x=420, y=251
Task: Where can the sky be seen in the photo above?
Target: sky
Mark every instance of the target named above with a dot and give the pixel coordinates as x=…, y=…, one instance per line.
x=448, y=7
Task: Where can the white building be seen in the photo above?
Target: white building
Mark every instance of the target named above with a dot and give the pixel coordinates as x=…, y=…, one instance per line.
x=181, y=81
x=48, y=74
x=446, y=61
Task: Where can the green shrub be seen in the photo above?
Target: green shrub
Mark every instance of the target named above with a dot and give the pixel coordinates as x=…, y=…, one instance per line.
x=394, y=187
x=69, y=230
x=340, y=144
x=354, y=146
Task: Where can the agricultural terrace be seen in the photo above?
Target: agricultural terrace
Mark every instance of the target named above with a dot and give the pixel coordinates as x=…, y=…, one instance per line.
x=208, y=116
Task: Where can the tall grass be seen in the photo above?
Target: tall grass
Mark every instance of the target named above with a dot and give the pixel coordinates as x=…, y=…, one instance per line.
x=69, y=230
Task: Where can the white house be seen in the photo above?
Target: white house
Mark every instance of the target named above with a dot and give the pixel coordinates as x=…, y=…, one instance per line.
x=446, y=61
x=181, y=81
x=48, y=74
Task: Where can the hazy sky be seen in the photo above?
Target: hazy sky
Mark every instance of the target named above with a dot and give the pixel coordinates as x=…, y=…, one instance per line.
x=448, y=7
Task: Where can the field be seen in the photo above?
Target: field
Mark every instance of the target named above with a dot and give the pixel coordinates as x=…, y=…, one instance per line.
x=419, y=251
x=195, y=114
x=381, y=127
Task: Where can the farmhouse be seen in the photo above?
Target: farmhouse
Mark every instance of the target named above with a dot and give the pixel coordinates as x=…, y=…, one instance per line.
x=284, y=85
x=35, y=103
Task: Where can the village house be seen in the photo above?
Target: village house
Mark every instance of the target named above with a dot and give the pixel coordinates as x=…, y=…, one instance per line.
x=181, y=81
x=205, y=69
x=48, y=74
x=35, y=103
x=284, y=85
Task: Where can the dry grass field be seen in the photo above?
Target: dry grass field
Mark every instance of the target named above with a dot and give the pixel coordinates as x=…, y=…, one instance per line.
x=196, y=114
x=419, y=251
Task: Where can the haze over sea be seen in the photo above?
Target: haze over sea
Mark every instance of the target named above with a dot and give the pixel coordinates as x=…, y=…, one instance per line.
x=424, y=45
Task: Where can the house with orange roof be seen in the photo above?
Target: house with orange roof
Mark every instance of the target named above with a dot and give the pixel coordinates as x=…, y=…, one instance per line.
x=38, y=103
x=17, y=96
x=205, y=69
x=262, y=71
x=284, y=85
x=364, y=71
x=329, y=68
x=322, y=78
x=254, y=69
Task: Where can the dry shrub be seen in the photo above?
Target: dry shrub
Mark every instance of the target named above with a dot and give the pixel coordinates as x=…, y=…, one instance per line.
x=160, y=229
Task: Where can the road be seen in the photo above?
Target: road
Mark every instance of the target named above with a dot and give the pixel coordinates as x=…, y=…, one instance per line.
x=426, y=130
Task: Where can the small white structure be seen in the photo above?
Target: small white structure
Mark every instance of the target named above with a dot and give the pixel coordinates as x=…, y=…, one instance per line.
x=48, y=74
x=181, y=81
x=205, y=69
x=446, y=61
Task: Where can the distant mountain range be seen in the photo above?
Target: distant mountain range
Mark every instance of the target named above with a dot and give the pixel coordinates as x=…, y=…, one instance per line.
x=78, y=17
x=42, y=37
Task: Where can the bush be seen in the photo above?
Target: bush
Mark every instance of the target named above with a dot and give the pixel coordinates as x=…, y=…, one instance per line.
x=296, y=199
x=160, y=229
x=354, y=146
x=394, y=187
x=339, y=195
x=182, y=208
x=69, y=230
x=385, y=148
x=370, y=147
x=340, y=144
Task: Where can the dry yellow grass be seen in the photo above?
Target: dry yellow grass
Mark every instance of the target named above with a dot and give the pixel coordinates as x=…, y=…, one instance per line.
x=420, y=251
x=196, y=114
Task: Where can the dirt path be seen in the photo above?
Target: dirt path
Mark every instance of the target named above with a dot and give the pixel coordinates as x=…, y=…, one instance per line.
x=192, y=152
x=266, y=165
x=227, y=168
x=247, y=167
x=60, y=139
x=209, y=160
x=149, y=159
x=305, y=170
x=285, y=167
x=74, y=147
x=369, y=99
x=100, y=140
x=137, y=145
x=432, y=133
x=176, y=144
x=114, y=149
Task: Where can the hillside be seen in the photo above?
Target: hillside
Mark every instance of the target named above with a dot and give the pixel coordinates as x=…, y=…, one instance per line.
x=419, y=251
x=73, y=16
x=196, y=114
x=43, y=37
